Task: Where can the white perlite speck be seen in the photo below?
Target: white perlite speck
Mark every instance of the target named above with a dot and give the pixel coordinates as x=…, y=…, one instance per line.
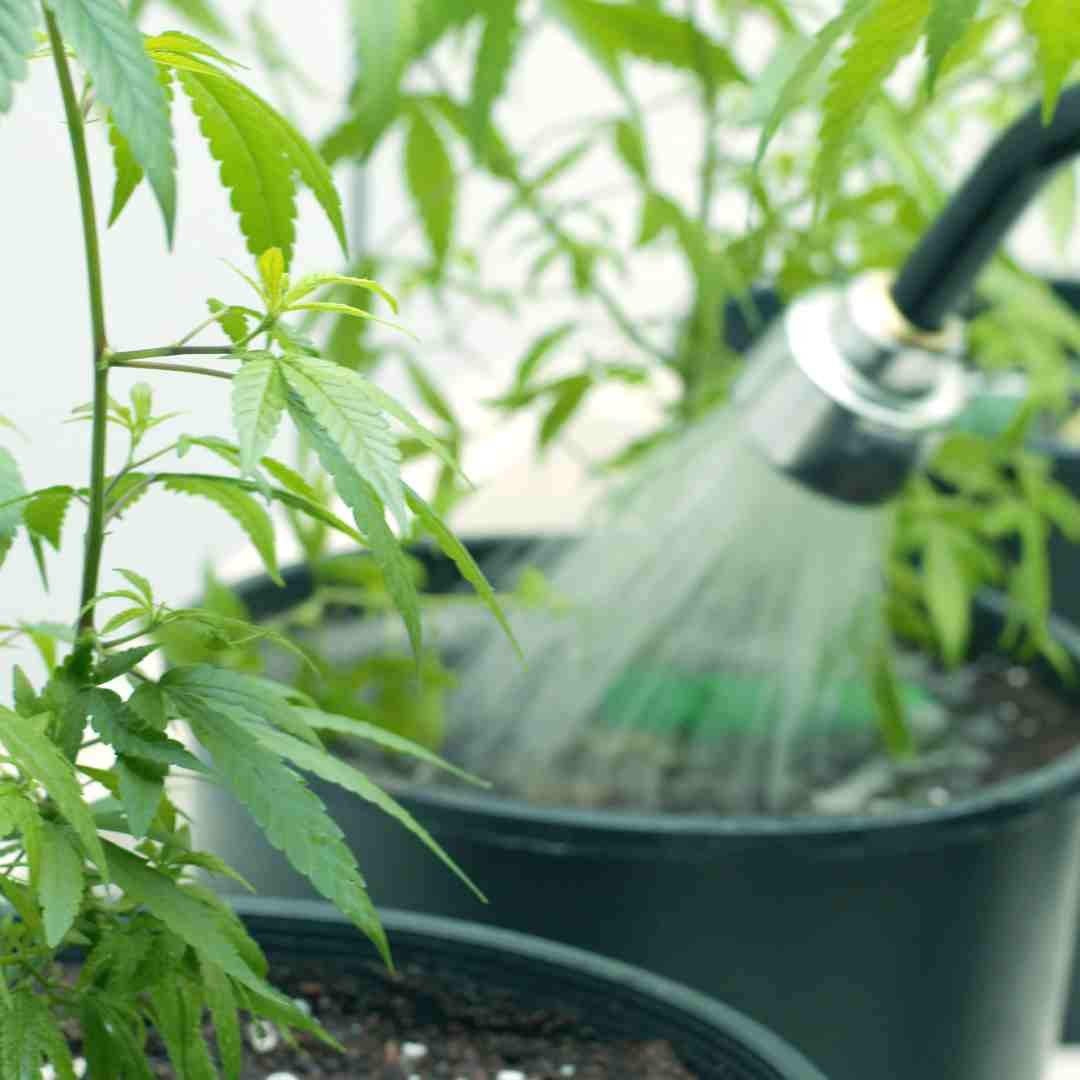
x=567, y=1070
x=510, y=1074
x=412, y=1051
x=282, y=1076
x=263, y=1036
x=303, y=1005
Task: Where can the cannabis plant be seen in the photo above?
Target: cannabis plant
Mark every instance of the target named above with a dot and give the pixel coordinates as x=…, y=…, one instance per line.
x=838, y=168
x=94, y=855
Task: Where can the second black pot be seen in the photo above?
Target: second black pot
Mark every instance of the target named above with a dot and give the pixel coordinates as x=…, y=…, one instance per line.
x=932, y=944
x=616, y=1001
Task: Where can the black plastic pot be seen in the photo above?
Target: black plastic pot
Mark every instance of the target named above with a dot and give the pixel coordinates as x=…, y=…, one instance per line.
x=616, y=1000
x=932, y=944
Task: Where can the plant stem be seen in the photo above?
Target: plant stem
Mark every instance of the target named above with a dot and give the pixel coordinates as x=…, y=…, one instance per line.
x=169, y=350
x=95, y=528
x=188, y=369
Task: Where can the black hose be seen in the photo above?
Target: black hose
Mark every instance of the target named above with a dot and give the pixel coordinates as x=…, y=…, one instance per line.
x=942, y=269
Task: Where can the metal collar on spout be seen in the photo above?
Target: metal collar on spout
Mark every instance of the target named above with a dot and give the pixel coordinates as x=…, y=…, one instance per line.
x=842, y=391
x=843, y=394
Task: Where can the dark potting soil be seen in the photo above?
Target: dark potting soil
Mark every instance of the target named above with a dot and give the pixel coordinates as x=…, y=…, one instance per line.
x=991, y=720
x=414, y=1025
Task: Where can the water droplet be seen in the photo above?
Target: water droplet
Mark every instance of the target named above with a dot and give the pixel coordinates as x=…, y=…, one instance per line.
x=937, y=796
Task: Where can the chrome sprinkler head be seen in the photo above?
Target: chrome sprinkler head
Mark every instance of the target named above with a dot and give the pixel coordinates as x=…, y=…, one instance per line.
x=844, y=392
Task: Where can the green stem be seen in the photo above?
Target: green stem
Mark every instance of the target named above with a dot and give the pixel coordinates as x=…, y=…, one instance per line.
x=187, y=369
x=169, y=350
x=95, y=528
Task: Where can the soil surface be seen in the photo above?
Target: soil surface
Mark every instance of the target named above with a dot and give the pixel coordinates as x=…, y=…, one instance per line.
x=416, y=1026
x=987, y=722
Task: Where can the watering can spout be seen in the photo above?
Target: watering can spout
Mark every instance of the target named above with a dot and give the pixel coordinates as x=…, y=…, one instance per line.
x=844, y=392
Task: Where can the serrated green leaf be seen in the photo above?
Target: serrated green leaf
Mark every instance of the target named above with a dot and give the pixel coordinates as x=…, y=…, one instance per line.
x=11, y=492
x=193, y=921
x=432, y=182
x=17, y=21
x=352, y=312
x=286, y=497
x=141, y=787
x=126, y=81
x=233, y=320
x=53, y=1043
x=44, y=514
x=60, y=883
x=253, y=166
x=129, y=173
x=128, y=733
x=630, y=146
x=456, y=551
x=20, y=1054
x=292, y=817
x=309, y=283
x=385, y=32
x=120, y=662
x=491, y=69
x=260, y=154
x=36, y=757
x=946, y=26
x=335, y=771
x=369, y=514
x=241, y=507
x=881, y=38
x=817, y=52
x=613, y=31
x=258, y=401
x=947, y=597
x=380, y=736
x=567, y=401
x=248, y=696
x=341, y=404
x=221, y=1001
x=1055, y=27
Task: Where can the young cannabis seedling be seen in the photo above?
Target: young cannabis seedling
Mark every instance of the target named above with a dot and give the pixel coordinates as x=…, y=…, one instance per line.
x=112, y=876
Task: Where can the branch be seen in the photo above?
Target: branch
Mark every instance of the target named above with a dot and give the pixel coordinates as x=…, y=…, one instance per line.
x=187, y=369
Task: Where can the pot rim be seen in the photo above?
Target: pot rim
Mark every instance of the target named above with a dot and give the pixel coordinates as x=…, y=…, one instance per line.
x=513, y=823
x=634, y=982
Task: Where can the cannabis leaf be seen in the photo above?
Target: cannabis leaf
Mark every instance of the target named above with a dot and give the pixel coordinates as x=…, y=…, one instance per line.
x=11, y=509
x=494, y=59
x=17, y=21
x=949, y=20
x=385, y=32
x=432, y=180
x=342, y=403
x=44, y=514
x=35, y=755
x=126, y=81
x=453, y=548
x=888, y=32
x=260, y=152
x=370, y=516
x=60, y=883
x=816, y=54
x=289, y=813
x=243, y=509
x=194, y=922
x=611, y=31
x=1055, y=26
x=335, y=771
x=258, y=400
